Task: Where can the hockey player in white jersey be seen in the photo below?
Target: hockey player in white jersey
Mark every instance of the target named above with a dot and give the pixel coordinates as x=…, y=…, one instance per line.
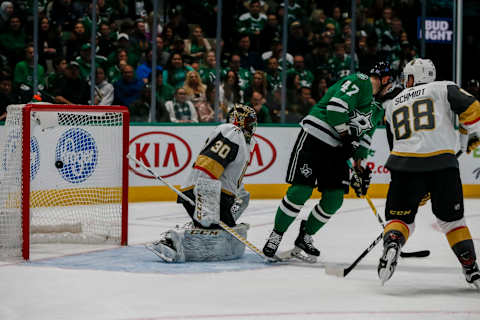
x=215, y=185
x=422, y=161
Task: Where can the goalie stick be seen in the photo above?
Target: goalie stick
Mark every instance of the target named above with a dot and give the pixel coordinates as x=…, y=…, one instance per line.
x=228, y=229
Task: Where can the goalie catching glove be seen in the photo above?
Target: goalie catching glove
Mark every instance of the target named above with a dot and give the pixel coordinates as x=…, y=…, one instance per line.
x=360, y=180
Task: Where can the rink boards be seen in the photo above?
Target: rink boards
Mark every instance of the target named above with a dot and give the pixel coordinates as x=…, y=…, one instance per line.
x=171, y=151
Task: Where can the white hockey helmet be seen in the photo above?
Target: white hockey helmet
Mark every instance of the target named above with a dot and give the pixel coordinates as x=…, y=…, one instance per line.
x=422, y=70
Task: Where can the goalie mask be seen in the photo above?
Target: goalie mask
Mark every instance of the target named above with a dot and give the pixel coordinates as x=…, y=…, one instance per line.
x=245, y=118
x=422, y=70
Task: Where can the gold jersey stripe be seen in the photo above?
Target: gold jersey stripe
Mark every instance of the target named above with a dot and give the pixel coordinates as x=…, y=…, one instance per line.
x=457, y=235
x=211, y=166
x=471, y=115
x=398, y=226
x=421, y=155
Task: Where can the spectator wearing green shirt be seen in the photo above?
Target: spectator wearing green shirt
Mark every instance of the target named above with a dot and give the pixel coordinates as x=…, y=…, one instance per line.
x=176, y=71
x=340, y=63
x=252, y=22
x=257, y=103
x=244, y=75
x=306, y=76
x=23, y=73
x=208, y=72
x=197, y=45
x=84, y=61
x=13, y=40
x=114, y=72
x=123, y=42
x=274, y=79
x=295, y=11
x=335, y=19
x=165, y=92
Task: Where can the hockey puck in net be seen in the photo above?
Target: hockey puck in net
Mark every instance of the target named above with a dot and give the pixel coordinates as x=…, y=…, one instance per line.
x=59, y=164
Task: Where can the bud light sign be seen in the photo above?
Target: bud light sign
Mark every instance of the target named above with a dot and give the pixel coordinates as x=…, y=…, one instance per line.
x=437, y=30
x=76, y=155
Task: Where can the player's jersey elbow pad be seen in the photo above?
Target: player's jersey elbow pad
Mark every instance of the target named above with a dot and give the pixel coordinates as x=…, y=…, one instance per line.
x=463, y=104
x=470, y=118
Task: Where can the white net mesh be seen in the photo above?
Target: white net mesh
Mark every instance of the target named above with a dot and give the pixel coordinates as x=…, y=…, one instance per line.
x=75, y=178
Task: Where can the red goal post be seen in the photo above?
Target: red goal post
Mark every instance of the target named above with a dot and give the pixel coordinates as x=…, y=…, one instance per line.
x=63, y=175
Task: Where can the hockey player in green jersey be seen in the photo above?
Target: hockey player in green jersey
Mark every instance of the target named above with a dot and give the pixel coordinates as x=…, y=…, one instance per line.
x=340, y=126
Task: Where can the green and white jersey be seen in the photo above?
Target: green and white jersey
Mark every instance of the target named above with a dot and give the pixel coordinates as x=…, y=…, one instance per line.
x=306, y=77
x=249, y=24
x=347, y=105
x=244, y=77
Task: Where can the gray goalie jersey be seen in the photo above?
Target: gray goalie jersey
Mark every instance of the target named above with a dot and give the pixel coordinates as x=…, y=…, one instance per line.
x=225, y=157
x=422, y=121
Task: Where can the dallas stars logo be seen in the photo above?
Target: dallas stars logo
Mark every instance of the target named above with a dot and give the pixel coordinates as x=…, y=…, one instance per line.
x=361, y=122
x=305, y=170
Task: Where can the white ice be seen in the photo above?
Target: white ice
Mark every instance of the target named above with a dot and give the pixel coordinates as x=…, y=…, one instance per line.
x=421, y=288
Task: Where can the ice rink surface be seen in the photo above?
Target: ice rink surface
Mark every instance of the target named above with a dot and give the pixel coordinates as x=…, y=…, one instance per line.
x=131, y=283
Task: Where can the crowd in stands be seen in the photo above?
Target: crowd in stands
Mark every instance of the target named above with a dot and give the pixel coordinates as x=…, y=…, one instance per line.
x=319, y=46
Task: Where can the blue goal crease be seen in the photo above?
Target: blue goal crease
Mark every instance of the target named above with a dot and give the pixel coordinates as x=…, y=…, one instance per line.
x=138, y=259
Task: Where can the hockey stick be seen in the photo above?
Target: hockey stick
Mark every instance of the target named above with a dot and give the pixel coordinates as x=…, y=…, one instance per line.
x=342, y=272
x=228, y=229
x=413, y=254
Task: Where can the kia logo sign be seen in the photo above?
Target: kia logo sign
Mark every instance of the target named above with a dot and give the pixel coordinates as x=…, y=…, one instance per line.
x=166, y=153
x=262, y=156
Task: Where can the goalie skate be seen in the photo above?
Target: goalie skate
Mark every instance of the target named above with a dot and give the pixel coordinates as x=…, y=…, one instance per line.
x=164, y=249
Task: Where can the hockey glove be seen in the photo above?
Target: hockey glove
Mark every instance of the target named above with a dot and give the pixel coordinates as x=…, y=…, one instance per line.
x=473, y=142
x=349, y=145
x=360, y=181
x=468, y=142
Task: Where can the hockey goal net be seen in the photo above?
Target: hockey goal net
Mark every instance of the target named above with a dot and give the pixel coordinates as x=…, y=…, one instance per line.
x=63, y=176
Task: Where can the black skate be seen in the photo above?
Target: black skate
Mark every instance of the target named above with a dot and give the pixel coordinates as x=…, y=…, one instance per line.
x=304, y=249
x=272, y=244
x=472, y=275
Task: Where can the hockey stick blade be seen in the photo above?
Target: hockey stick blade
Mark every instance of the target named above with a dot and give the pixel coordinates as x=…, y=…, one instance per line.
x=343, y=272
x=335, y=270
x=415, y=254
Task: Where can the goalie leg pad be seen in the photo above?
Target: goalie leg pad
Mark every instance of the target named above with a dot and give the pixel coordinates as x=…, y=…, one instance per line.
x=207, y=201
x=213, y=244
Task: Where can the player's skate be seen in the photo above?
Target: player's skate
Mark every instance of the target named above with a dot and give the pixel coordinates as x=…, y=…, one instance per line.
x=163, y=248
x=272, y=244
x=472, y=275
x=392, y=245
x=304, y=249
